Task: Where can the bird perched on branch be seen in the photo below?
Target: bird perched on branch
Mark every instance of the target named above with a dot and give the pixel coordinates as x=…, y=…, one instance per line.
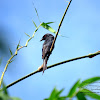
x=48, y=40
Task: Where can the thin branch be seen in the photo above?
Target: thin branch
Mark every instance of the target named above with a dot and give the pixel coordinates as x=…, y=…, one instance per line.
x=73, y=59
x=60, y=26
x=52, y=46
x=1, y=79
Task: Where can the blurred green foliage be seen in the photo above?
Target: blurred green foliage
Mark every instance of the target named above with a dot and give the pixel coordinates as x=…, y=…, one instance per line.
x=5, y=96
x=55, y=95
x=78, y=90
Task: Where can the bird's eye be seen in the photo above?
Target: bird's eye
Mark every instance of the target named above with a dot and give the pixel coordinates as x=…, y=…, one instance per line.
x=44, y=35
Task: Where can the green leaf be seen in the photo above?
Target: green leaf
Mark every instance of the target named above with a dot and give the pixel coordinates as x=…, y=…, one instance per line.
x=53, y=94
x=10, y=51
x=11, y=61
x=49, y=22
x=18, y=45
x=90, y=94
x=34, y=23
x=36, y=13
x=28, y=35
x=80, y=96
x=46, y=26
x=73, y=89
x=59, y=92
x=89, y=81
x=4, y=89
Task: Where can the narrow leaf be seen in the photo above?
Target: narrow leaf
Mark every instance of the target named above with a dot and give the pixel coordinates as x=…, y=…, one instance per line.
x=18, y=45
x=73, y=89
x=4, y=89
x=36, y=13
x=80, y=96
x=59, y=92
x=89, y=81
x=46, y=26
x=34, y=24
x=28, y=35
x=10, y=51
x=49, y=22
x=11, y=61
x=90, y=94
x=53, y=94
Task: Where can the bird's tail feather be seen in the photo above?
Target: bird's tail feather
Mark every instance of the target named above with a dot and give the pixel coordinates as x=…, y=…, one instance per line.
x=44, y=64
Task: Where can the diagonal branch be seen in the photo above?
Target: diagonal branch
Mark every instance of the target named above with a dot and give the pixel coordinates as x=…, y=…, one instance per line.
x=52, y=46
x=60, y=26
x=66, y=61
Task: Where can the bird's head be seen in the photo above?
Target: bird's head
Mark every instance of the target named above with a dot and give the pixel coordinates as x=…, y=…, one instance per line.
x=47, y=36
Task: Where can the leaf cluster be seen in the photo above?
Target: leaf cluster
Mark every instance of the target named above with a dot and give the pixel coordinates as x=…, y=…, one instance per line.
x=78, y=90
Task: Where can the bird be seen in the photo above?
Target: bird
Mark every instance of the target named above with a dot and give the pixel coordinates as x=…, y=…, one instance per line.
x=48, y=40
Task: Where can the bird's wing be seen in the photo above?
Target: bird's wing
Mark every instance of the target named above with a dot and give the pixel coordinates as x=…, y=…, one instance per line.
x=46, y=49
x=43, y=51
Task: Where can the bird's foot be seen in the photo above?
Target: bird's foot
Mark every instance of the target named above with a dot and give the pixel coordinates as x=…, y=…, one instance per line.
x=40, y=68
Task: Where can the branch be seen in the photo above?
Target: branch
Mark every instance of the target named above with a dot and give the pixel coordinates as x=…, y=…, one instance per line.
x=73, y=59
x=60, y=26
x=10, y=60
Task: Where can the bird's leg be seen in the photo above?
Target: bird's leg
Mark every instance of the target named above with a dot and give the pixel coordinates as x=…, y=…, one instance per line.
x=40, y=68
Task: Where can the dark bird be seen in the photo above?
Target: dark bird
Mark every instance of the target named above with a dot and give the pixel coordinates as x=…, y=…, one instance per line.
x=48, y=40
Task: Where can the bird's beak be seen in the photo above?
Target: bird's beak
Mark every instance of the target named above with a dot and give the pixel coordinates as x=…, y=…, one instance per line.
x=41, y=39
